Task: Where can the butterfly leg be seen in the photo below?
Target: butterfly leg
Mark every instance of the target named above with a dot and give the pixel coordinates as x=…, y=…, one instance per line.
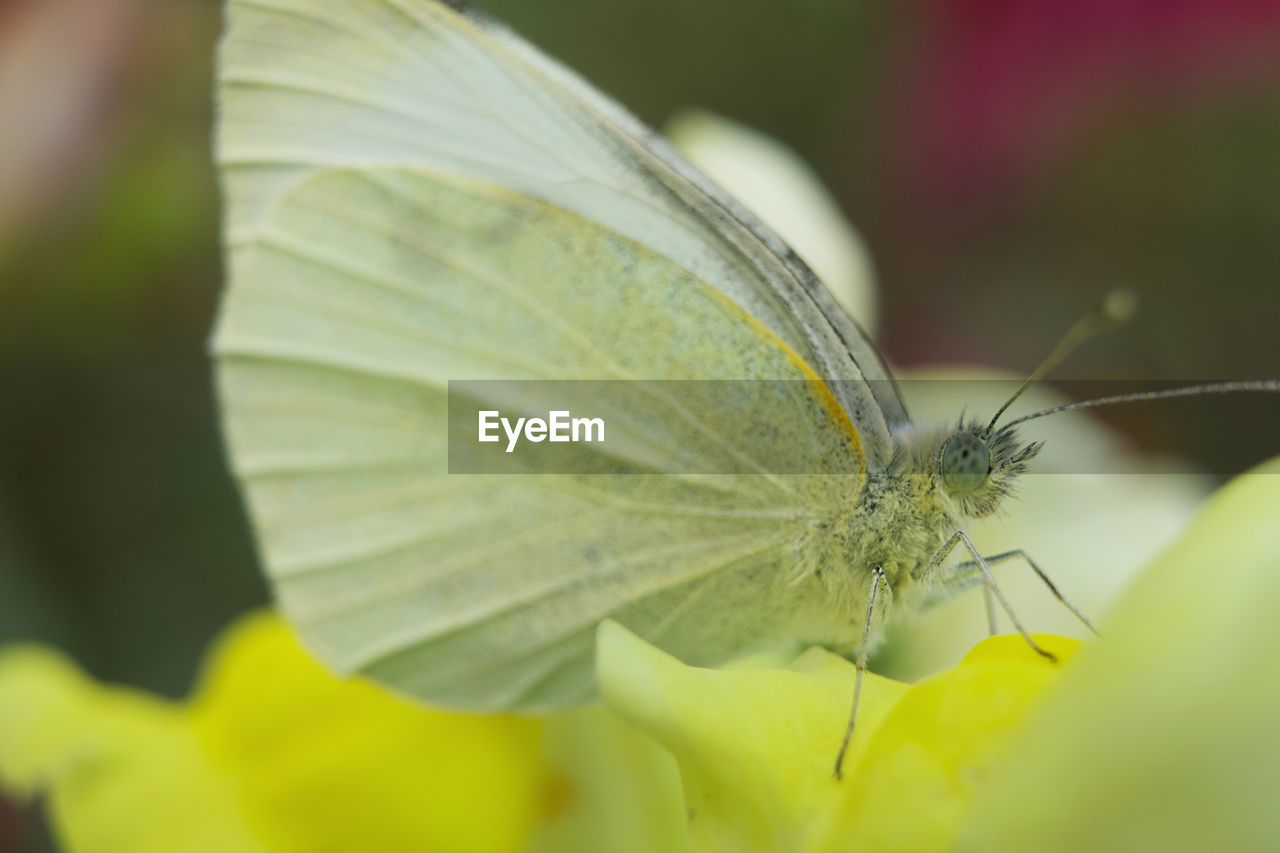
x=990, y=603
x=984, y=571
x=1018, y=553
x=878, y=580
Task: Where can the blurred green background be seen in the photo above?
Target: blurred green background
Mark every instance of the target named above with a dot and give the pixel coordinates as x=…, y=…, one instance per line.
x=1007, y=162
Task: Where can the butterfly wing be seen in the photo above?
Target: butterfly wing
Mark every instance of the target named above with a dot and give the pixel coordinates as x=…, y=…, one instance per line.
x=306, y=85
x=414, y=197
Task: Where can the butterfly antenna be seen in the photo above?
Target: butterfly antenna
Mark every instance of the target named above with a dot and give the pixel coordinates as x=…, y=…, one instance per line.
x=1113, y=310
x=1244, y=386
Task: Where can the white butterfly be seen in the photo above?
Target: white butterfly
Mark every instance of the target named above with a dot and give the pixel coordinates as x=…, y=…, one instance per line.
x=415, y=195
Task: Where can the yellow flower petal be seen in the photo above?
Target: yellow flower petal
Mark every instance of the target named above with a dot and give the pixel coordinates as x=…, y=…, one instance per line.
x=621, y=790
x=123, y=769
x=272, y=754
x=339, y=764
x=935, y=750
x=44, y=720
x=755, y=747
x=1163, y=736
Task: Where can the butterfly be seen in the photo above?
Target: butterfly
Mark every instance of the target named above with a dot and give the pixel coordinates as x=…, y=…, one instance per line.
x=416, y=196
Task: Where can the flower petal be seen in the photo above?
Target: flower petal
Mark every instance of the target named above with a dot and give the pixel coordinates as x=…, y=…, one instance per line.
x=935, y=750
x=1163, y=736
x=272, y=754
x=755, y=747
x=339, y=764
x=621, y=791
x=123, y=769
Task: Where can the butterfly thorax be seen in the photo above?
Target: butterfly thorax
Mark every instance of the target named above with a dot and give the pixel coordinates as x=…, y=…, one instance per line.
x=901, y=518
x=938, y=479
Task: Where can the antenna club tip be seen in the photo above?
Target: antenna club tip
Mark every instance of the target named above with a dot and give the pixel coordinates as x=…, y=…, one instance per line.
x=1119, y=306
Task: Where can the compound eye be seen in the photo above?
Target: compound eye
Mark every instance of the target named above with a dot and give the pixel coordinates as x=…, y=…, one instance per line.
x=966, y=462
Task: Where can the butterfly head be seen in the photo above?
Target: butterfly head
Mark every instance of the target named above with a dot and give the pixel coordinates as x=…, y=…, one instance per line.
x=978, y=467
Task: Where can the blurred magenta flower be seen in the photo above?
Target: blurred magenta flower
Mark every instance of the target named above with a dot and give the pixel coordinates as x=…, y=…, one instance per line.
x=990, y=90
